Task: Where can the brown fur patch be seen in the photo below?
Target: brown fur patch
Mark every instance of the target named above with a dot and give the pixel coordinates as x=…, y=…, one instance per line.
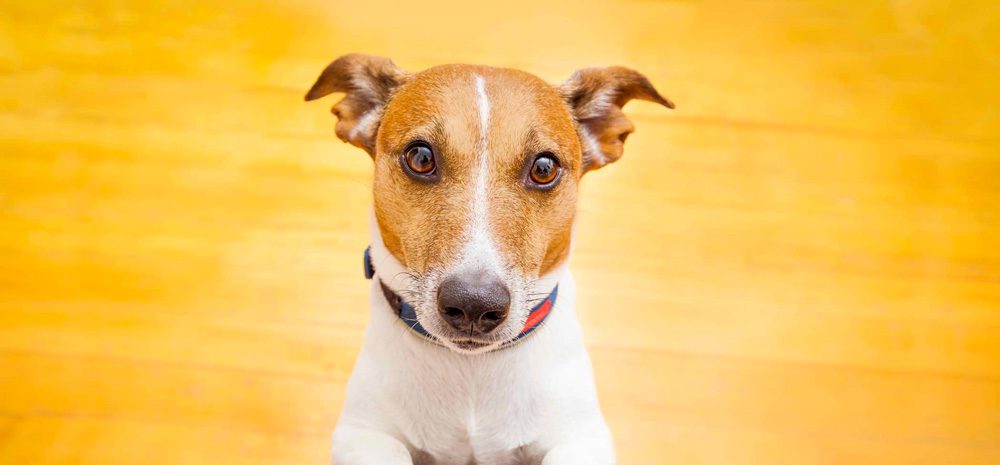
x=424, y=224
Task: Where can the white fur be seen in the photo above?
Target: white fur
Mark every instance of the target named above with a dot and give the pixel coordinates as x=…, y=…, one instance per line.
x=410, y=401
x=480, y=252
x=480, y=233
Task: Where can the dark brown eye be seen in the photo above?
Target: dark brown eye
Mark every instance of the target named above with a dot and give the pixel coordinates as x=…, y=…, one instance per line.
x=419, y=158
x=544, y=170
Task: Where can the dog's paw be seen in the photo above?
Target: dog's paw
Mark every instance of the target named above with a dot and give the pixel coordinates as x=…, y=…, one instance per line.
x=361, y=446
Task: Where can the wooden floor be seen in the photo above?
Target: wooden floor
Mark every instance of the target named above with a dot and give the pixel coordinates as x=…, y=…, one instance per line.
x=800, y=265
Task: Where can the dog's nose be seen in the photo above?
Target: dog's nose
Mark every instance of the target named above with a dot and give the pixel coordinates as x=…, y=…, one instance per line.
x=474, y=303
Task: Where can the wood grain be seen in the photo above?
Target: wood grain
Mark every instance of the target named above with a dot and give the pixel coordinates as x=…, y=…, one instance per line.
x=801, y=264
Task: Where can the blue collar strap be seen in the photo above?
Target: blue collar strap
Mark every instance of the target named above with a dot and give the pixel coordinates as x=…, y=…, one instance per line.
x=408, y=314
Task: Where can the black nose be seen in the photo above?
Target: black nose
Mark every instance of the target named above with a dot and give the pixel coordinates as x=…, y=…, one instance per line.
x=473, y=303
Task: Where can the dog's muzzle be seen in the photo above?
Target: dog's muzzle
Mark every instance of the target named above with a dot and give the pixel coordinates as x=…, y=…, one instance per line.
x=469, y=303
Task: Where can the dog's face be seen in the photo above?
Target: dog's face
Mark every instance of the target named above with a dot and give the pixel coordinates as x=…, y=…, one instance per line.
x=476, y=175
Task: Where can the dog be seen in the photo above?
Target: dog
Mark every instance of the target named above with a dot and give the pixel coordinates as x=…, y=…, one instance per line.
x=473, y=353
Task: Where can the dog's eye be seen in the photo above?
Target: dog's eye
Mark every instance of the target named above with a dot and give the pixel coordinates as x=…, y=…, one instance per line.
x=544, y=170
x=419, y=158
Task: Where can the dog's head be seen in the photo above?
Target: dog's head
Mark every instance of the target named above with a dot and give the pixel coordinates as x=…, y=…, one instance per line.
x=476, y=175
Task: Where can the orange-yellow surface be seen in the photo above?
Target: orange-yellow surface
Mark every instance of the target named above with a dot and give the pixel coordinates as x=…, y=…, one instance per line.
x=800, y=265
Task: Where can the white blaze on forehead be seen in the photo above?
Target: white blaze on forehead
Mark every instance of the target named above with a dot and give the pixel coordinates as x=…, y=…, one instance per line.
x=484, y=109
x=480, y=251
x=482, y=168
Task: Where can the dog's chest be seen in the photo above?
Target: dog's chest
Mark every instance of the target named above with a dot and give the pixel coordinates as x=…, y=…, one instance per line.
x=474, y=445
x=476, y=419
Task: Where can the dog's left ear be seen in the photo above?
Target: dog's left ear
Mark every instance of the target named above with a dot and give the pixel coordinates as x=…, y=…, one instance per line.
x=596, y=97
x=369, y=82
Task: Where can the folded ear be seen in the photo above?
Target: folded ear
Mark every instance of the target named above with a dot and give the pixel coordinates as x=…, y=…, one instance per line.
x=369, y=82
x=596, y=97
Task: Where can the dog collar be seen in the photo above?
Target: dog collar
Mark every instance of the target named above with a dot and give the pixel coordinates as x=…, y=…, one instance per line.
x=408, y=314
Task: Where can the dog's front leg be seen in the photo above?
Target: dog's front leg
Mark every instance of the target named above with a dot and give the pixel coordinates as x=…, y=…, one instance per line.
x=592, y=447
x=363, y=446
x=578, y=453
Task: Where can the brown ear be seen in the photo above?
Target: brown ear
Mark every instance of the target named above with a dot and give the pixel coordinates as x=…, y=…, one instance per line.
x=596, y=97
x=369, y=82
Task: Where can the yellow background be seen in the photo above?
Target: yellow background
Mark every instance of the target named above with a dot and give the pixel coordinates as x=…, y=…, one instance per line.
x=799, y=265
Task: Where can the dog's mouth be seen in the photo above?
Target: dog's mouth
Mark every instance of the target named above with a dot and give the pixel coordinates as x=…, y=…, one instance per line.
x=470, y=345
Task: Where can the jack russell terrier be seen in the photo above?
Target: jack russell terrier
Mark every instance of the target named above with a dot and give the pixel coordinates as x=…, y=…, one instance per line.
x=473, y=353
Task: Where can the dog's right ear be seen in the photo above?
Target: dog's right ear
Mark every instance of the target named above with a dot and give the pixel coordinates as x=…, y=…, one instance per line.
x=369, y=82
